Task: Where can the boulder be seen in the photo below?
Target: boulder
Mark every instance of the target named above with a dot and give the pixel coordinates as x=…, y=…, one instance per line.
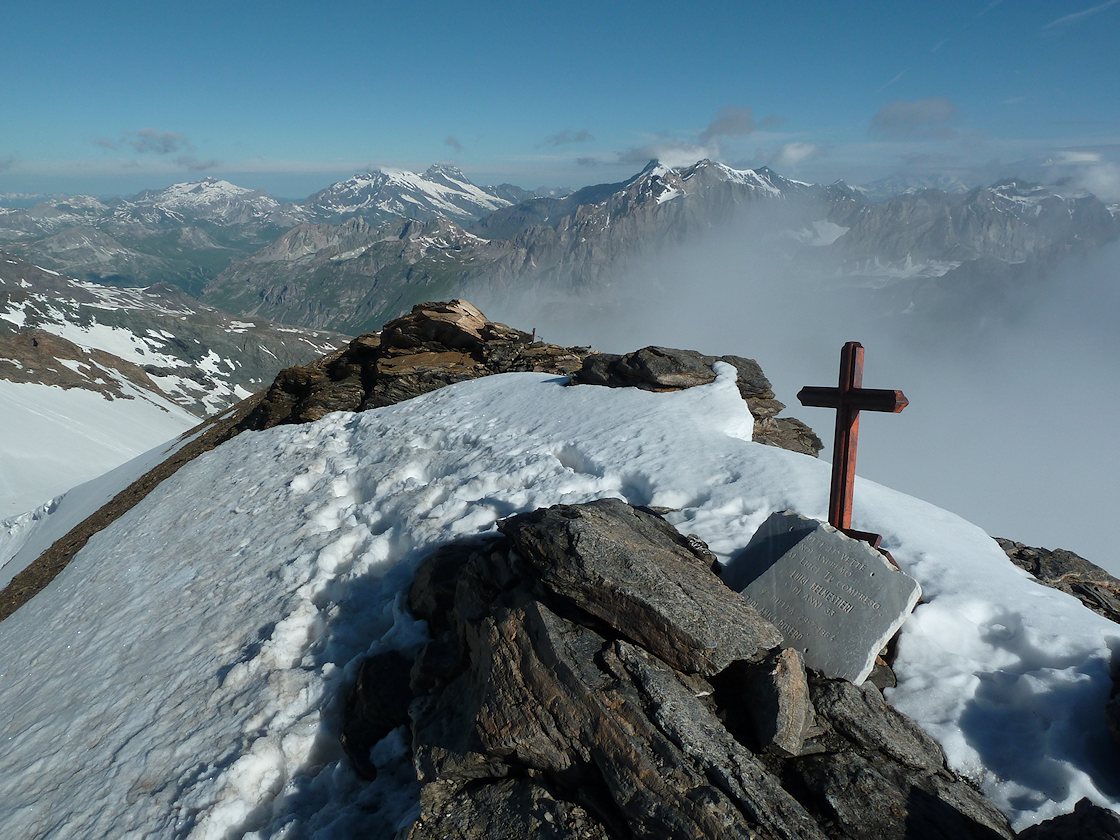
x=634, y=570
x=436, y=344
x=774, y=699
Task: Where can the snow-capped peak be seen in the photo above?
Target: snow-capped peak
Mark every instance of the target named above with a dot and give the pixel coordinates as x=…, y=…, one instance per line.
x=442, y=190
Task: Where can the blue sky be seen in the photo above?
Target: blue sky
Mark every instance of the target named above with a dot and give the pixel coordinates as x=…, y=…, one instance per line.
x=113, y=97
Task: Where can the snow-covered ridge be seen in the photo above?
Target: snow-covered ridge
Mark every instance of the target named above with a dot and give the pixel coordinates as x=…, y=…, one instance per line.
x=211, y=199
x=278, y=560
x=441, y=190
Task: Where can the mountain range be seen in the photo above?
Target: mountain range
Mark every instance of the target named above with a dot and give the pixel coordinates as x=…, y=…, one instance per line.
x=366, y=248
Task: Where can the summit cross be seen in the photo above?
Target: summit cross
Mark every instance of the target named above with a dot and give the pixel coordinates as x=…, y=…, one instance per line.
x=849, y=398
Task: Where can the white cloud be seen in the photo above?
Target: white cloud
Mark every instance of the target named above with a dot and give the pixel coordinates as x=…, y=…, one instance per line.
x=669, y=153
x=1068, y=158
x=791, y=154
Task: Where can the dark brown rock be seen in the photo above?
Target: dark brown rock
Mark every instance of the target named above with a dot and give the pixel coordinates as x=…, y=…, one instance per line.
x=511, y=809
x=1087, y=822
x=377, y=704
x=435, y=345
x=637, y=573
x=1069, y=572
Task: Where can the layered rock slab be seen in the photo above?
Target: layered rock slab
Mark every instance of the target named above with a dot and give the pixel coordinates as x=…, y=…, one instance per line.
x=543, y=705
x=837, y=600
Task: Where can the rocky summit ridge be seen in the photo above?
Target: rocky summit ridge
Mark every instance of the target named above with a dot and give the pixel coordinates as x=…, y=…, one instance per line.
x=588, y=674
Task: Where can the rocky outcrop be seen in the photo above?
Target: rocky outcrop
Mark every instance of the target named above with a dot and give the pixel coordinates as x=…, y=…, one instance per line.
x=590, y=676
x=1069, y=572
x=438, y=344
x=1087, y=822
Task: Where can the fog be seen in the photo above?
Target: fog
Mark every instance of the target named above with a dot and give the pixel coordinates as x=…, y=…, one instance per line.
x=1014, y=383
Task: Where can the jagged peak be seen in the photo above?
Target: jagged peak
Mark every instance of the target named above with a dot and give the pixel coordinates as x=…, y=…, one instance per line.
x=447, y=169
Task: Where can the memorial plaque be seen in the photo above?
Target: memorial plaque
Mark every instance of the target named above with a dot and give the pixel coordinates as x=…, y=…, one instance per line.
x=835, y=599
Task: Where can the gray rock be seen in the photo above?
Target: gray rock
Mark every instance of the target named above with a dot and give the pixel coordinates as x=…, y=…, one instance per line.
x=511, y=809
x=876, y=774
x=775, y=700
x=617, y=729
x=634, y=571
x=862, y=802
x=539, y=710
x=835, y=599
x=787, y=433
x=670, y=369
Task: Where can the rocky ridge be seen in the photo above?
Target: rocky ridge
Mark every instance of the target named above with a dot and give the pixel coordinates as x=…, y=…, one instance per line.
x=438, y=344
x=589, y=239
x=435, y=345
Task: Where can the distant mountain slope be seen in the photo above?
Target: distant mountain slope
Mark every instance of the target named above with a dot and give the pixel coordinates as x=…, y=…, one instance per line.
x=212, y=200
x=366, y=248
x=184, y=234
x=92, y=375
x=192, y=354
x=352, y=274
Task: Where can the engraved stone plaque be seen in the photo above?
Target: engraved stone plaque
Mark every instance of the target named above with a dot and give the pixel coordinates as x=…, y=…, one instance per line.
x=835, y=599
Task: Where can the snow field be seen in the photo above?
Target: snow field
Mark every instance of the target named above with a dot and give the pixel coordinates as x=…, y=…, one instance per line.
x=55, y=438
x=192, y=658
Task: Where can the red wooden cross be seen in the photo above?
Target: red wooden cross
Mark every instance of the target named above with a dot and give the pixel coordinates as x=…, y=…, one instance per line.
x=849, y=398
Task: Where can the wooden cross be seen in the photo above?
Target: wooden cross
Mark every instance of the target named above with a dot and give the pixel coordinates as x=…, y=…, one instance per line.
x=849, y=398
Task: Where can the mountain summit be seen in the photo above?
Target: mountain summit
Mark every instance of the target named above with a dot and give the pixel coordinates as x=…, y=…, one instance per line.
x=380, y=194
x=215, y=629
